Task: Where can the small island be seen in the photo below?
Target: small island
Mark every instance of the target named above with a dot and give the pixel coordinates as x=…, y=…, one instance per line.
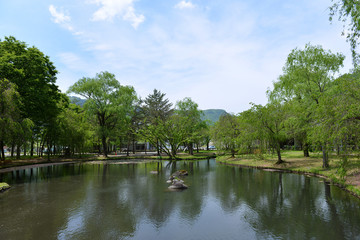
x=4, y=187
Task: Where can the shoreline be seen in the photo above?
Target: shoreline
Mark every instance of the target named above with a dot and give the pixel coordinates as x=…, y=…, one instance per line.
x=16, y=165
x=336, y=182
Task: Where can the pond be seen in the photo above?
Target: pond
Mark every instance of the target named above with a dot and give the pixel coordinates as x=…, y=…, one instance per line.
x=126, y=201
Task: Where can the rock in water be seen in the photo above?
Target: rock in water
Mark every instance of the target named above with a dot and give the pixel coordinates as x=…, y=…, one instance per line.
x=178, y=185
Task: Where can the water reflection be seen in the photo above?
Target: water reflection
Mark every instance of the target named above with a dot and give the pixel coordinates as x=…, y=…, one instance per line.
x=113, y=201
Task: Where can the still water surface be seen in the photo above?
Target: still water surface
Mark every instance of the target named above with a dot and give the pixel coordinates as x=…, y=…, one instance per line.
x=116, y=201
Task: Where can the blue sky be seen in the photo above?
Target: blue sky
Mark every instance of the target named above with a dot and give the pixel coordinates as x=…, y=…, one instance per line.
x=222, y=54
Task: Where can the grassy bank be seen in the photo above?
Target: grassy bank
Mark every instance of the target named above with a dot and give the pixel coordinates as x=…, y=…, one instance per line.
x=296, y=162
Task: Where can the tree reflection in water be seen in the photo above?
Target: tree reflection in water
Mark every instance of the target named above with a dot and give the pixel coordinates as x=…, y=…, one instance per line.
x=115, y=201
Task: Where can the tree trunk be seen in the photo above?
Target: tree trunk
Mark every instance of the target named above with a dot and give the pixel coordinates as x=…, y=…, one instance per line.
x=145, y=147
x=158, y=147
x=233, y=153
x=2, y=150
x=191, y=151
x=18, y=152
x=104, y=146
x=127, y=149
x=41, y=151
x=32, y=147
x=278, y=152
x=133, y=144
x=12, y=149
x=25, y=148
x=48, y=152
x=306, y=150
x=325, y=157
x=173, y=153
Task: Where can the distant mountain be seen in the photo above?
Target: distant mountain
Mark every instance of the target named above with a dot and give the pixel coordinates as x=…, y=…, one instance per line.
x=213, y=114
x=78, y=101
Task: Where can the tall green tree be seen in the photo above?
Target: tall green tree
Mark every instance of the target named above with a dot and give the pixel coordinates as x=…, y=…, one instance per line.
x=188, y=110
x=34, y=75
x=203, y=137
x=132, y=126
x=338, y=116
x=250, y=136
x=107, y=100
x=308, y=74
x=157, y=110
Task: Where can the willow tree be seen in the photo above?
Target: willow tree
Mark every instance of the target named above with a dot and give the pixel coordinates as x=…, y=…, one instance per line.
x=270, y=122
x=348, y=11
x=109, y=101
x=308, y=74
x=171, y=134
x=9, y=112
x=338, y=117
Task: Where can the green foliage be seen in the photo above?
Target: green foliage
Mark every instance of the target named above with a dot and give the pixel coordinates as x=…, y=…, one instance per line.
x=156, y=106
x=167, y=128
x=34, y=75
x=75, y=130
x=171, y=134
x=225, y=133
x=307, y=74
x=9, y=112
x=348, y=12
x=157, y=110
x=270, y=120
x=107, y=100
x=190, y=116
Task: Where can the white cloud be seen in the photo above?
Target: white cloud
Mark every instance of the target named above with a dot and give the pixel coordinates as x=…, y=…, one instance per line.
x=112, y=8
x=63, y=19
x=132, y=17
x=59, y=16
x=184, y=4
